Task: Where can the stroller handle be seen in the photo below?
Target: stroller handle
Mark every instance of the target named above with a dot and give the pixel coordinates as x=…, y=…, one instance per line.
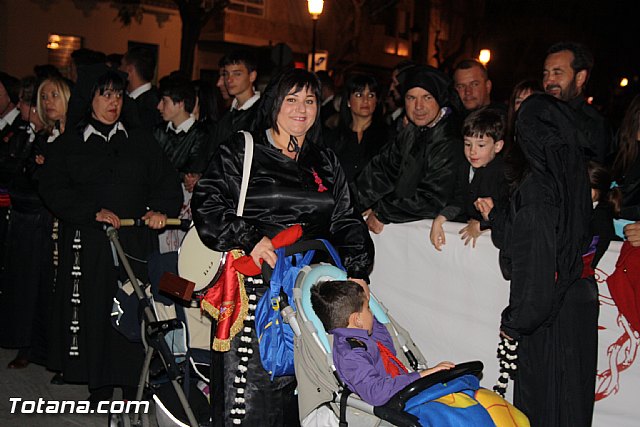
x=131, y=222
x=468, y=368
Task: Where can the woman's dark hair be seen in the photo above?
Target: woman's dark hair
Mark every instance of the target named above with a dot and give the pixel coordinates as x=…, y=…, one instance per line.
x=600, y=180
x=335, y=300
x=206, y=101
x=356, y=83
x=628, y=140
x=289, y=80
x=531, y=85
x=516, y=164
x=111, y=80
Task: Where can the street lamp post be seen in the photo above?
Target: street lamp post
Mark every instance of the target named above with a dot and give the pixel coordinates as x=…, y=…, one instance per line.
x=315, y=10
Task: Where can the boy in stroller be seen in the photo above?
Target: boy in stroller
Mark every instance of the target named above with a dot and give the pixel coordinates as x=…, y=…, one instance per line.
x=364, y=357
x=363, y=350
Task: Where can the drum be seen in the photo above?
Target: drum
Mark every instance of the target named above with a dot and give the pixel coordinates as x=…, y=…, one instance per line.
x=197, y=263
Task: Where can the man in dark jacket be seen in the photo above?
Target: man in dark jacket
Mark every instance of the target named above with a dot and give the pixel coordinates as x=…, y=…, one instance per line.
x=566, y=72
x=11, y=124
x=140, y=65
x=182, y=139
x=414, y=176
x=239, y=73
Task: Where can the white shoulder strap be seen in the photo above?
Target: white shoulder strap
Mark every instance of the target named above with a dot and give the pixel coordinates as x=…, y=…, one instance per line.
x=246, y=171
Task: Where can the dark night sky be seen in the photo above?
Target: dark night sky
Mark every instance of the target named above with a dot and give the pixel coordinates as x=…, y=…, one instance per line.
x=519, y=32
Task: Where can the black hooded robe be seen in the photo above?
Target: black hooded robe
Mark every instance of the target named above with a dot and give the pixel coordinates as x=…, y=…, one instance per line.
x=552, y=312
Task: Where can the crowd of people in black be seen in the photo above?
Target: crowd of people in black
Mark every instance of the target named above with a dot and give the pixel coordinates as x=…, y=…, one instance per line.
x=544, y=171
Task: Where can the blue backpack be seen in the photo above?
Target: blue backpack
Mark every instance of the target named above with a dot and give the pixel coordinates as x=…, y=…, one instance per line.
x=274, y=336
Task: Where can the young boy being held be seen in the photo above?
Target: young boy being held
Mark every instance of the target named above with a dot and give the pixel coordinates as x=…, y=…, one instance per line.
x=363, y=350
x=483, y=176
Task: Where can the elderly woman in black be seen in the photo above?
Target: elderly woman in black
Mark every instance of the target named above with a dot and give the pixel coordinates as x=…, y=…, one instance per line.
x=294, y=180
x=361, y=132
x=99, y=171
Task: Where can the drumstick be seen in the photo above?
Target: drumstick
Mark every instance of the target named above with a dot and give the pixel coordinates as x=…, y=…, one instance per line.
x=140, y=222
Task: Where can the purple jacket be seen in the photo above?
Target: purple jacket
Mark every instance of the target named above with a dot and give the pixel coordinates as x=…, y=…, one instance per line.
x=360, y=365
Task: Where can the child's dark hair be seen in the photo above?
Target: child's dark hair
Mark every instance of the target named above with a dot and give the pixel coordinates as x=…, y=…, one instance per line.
x=335, y=300
x=485, y=121
x=600, y=180
x=179, y=89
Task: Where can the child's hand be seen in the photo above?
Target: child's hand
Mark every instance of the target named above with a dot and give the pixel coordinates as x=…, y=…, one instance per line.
x=632, y=233
x=442, y=366
x=484, y=206
x=471, y=232
x=374, y=223
x=436, y=235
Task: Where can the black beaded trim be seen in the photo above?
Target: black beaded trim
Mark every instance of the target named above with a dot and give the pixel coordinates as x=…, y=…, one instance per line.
x=76, y=276
x=55, y=233
x=507, y=360
x=244, y=352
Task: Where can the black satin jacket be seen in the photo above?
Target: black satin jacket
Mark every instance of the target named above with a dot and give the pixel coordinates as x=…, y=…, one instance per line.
x=413, y=177
x=312, y=191
x=186, y=150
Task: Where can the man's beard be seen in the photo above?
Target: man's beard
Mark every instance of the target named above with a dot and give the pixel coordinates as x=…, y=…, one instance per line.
x=568, y=94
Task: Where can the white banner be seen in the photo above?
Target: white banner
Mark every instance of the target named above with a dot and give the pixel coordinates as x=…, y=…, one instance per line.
x=451, y=301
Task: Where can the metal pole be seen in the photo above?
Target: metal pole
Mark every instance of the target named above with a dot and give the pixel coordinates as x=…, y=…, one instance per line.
x=313, y=45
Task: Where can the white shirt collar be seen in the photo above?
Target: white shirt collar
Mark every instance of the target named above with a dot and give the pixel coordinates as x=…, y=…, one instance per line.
x=246, y=105
x=183, y=127
x=397, y=113
x=55, y=132
x=328, y=100
x=140, y=90
x=9, y=118
x=31, y=131
x=90, y=130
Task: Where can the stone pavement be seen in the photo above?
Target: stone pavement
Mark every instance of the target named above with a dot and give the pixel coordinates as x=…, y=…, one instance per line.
x=31, y=384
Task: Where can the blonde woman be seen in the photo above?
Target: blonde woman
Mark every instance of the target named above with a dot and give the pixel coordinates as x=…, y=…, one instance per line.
x=53, y=101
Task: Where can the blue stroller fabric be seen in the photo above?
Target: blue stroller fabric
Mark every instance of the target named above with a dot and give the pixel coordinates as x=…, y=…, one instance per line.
x=276, y=337
x=461, y=410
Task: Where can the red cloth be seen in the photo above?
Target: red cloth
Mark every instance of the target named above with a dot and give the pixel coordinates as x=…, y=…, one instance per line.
x=245, y=264
x=227, y=302
x=624, y=284
x=392, y=364
x=587, y=270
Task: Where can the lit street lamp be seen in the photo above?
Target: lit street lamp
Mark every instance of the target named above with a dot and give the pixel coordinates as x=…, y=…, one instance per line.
x=315, y=10
x=484, y=57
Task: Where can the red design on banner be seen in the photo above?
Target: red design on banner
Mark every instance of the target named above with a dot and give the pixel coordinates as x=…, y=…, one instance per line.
x=624, y=287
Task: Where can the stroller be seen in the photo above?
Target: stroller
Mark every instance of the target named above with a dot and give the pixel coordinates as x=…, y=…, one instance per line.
x=323, y=398
x=177, y=377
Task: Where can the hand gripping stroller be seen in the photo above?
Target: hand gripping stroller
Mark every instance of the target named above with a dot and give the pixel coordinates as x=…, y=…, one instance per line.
x=154, y=335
